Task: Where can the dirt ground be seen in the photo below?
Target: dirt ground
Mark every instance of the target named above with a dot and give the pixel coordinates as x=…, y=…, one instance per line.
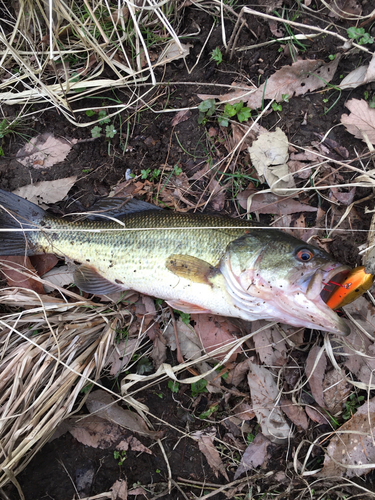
x=65, y=469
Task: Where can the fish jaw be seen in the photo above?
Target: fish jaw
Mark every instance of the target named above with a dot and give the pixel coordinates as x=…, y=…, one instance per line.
x=288, y=300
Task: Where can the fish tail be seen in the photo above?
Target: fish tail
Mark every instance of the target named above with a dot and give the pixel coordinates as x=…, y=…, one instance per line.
x=17, y=217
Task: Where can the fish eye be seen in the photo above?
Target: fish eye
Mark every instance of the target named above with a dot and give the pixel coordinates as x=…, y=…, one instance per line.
x=304, y=255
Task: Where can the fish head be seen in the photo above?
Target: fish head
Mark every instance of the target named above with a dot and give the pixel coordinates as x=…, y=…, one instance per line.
x=280, y=278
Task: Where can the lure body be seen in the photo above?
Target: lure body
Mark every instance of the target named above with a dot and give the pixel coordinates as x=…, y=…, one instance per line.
x=353, y=286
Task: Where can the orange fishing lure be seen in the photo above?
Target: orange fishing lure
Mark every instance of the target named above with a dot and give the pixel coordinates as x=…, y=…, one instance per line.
x=355, y=284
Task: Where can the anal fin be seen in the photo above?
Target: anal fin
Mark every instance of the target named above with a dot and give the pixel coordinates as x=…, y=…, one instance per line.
x=186, y=307
x=90, y=281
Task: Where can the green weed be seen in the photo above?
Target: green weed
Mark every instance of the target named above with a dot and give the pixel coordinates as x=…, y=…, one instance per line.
x=359, y=35
x=217, y=56
x=198, y=387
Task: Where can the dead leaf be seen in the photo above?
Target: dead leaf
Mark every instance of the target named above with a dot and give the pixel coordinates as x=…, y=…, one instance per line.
x=269, y=154
x=301, y=77
x=215, y=332
x=95, y=432
x=346, y=9
x=269, y=203
x=269, y=344
x=181, y=116
x=102, y=404
x=120, y=355
x=174, y=51
x=159, y=350
x=317, y=416
x=206, y=445
x=133, y=444
x=119, y=490
x=336, y=390
x=295, y=413
x=44, y=151
x=42, y=193
x=60, y=276
x=44, y=262
x=239, y=372
x=255, y=455
x=315, y=367
x=19, y=271
x=361, y=120
x=264, y=392
x=346, y=198
x=351, y=452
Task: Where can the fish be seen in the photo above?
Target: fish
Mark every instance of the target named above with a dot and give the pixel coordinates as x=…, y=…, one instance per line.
x=355, y=284
x=197, y=263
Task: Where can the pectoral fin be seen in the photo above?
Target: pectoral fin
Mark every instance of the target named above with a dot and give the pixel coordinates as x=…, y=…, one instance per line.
x=89, y=280
x=190, y=268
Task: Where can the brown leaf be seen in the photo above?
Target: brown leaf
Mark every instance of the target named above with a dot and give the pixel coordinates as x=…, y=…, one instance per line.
x=301, y=77
x=264, y=392
x=96, y=432
x=119, y=490
x=346, y=198
x=19, y=271
x=351, y=452
x=181, y=116
x=269, y=203
x=120, y=355
x=255, y=455
x=215, y=332
x=361, y=119
x=315, y=367
x=44, y=151
x=344, y=9
x=295, y=413
x=317, y=416
x=336, y=390
x=206, y=445
x=43, y=263
x=102, y=404
x=133, y=444
x=269, y=344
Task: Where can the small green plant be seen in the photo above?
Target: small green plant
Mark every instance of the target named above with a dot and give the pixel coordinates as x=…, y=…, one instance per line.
x=96, y=131
x=217, y=56
x=173, y=386
x=110, y=131
x=153, y=176
x=198, y=387
x=144, y=366
x=332, y=57
x=352, y=404
x=360, y=36
x=242, y=112
x=206, y=109
x=120, y=456
x=185, y=317
x=250, y=437
x=277, y=106
x=209, y=412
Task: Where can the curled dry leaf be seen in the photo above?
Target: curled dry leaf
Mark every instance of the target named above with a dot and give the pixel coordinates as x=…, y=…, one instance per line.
x=264, y=392
x=60, y=276
x=120, y=355
x=174, y=51
x=44, y=151
x=95, y=431
x=316, y=364
x=255, y=455
x=317, y=416
x=361, y=121
x=351, y=452
x=206, y=445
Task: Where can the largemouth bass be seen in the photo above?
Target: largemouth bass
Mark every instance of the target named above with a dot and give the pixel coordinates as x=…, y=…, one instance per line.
x=195, y=262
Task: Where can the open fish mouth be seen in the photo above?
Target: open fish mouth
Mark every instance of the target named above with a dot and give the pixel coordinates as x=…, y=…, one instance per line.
x=332, y=282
